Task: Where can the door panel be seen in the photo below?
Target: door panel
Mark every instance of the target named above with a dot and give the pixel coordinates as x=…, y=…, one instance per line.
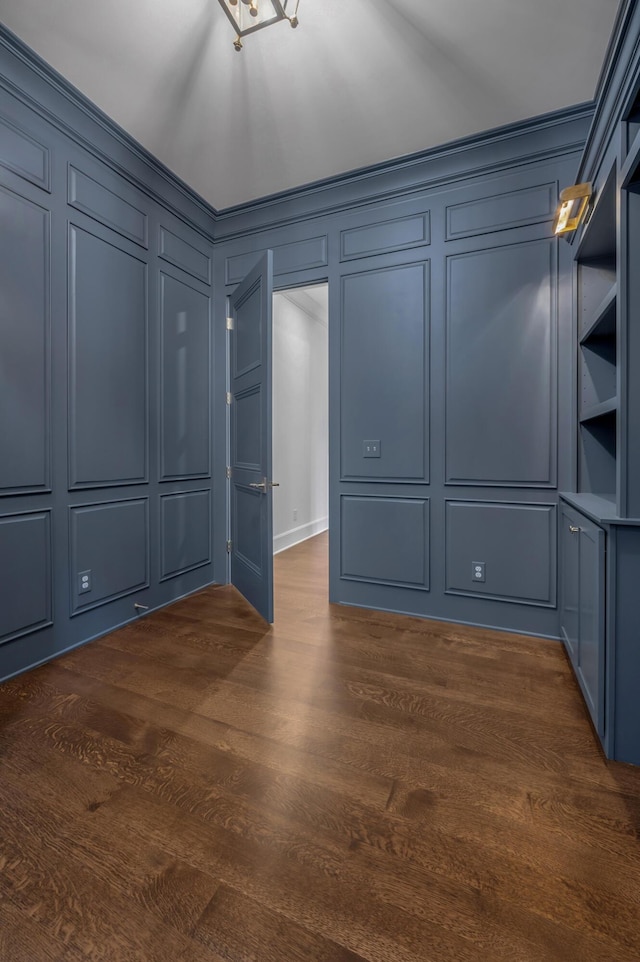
x=250, y=436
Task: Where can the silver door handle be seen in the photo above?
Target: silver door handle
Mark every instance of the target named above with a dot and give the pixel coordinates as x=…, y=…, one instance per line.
x=264, y=484
x=573, y=529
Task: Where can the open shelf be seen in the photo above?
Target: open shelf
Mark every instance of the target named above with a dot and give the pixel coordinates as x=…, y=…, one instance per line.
x=598, y=241
x=597, y=465
x=630, y=173
x=632, y=120
x=596, y=259
x=598, y=372
x=603, y=321
x=599, y=410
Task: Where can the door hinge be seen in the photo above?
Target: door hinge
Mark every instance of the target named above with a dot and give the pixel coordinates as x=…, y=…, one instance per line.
x=228, y=473
x=229, y=323
x=228, y=397
x=229, y=546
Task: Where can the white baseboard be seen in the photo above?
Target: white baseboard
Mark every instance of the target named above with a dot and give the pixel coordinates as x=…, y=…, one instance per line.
x=295, y=535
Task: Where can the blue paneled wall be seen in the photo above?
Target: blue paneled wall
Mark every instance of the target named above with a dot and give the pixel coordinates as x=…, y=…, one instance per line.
x=449, y=343
x=106, y=386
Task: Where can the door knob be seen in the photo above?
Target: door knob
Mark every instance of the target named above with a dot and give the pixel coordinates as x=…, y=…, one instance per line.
x=264, y=484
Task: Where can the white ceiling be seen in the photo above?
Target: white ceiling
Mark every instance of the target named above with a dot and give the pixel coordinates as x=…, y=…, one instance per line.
x=359, y=82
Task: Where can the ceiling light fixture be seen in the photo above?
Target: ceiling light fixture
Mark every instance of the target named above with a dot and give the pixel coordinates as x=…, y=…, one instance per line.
x=564, y=223
x=247, y=16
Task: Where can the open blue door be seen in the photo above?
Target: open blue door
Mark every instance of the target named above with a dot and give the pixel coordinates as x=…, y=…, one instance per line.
x=250, y=440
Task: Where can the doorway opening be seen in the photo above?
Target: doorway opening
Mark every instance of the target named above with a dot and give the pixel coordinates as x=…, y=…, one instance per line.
x=300, y=418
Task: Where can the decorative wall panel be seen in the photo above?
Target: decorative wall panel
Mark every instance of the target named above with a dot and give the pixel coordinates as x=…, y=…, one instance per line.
x=500, y=366
x=108, y=363
x=25, y=563
x=299, y=256
x=385, y=236
x=185, y=532
x=185, y=381
x=385, y=540
x=107, y=207
x=530, y=205
x=24, y=345
x=24, y=156
x=110, y=541
x=384, y=373
x=516, y=543
x=179, y=252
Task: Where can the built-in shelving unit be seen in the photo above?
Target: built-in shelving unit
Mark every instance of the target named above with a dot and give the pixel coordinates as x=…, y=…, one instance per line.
x=599, y=521
x=597, y=366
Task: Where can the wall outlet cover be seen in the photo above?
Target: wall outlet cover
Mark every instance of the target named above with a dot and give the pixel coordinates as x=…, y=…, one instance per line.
x=370, y=449
x=478, y=570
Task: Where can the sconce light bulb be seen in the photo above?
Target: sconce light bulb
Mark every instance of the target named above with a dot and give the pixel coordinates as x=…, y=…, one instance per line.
x=234, y=3
x=563, y=217
x=253, y=9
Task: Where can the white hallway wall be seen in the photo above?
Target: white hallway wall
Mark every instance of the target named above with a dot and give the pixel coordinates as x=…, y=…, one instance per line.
x=300, y=415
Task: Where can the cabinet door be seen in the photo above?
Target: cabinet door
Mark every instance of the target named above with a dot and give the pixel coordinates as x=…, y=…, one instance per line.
x=590, y=668
x=569, y=580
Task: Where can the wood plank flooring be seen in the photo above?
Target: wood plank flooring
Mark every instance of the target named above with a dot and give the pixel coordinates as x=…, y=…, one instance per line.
x=347, y=786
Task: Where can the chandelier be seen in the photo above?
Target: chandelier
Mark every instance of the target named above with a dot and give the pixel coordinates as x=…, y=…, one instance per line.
x=247, y=16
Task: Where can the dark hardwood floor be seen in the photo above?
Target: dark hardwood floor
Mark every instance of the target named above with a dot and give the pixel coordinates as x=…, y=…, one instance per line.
x=345, y=786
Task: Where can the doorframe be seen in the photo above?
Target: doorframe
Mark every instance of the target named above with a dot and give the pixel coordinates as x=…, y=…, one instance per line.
x=278, y=288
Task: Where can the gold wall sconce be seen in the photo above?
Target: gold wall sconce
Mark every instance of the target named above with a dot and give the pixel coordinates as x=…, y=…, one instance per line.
x=569, y=216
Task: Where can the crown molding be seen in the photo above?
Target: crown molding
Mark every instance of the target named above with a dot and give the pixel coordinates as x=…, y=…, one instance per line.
x=172, y=192
x=548, y=136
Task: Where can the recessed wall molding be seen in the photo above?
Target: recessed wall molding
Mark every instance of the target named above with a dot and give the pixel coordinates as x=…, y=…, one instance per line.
x=375, y=401
x=107, y=363
x=25, y=562
x=185, y=532
x=185, y=381
x=516, y=544
x=25, y=347
x=46, y=94
x=531, y=205
x=385, y=541
x=23, y=155
x=110, y=540
x=500, y=398
x=385, y=236
x=106, y=206
x=301, y=255
x=179, y=252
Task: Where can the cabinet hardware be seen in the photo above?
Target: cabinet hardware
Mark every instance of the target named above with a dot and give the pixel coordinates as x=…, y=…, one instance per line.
x=573, y=528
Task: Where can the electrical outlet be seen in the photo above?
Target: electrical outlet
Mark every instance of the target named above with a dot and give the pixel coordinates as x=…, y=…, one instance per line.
x=295, y=514
x=84, y=582
x=370, y=449
x=478, y=570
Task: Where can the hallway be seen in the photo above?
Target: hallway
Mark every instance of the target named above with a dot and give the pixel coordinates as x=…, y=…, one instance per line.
x=344, y=786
